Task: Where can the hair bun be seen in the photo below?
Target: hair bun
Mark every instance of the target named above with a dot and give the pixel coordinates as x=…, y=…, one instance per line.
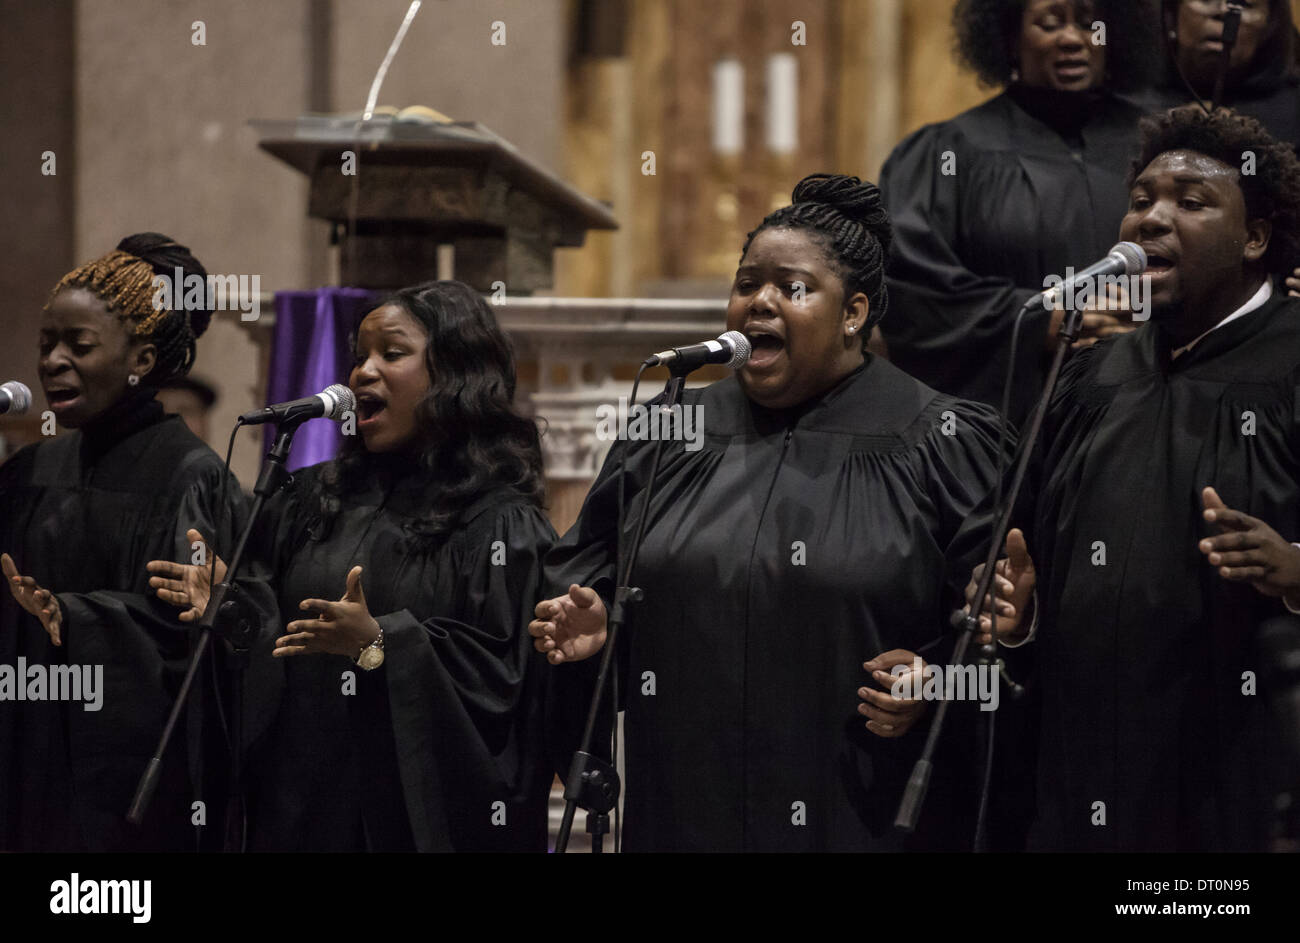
x=859, y=201
x=164, y=255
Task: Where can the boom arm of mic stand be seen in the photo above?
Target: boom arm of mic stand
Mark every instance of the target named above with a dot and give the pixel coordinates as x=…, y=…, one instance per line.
x=589, y=778
x=272, y=478
x=909, y=809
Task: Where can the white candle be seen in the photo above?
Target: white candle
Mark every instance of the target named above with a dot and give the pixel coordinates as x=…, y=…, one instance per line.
x=728, y=107
x=782, y=103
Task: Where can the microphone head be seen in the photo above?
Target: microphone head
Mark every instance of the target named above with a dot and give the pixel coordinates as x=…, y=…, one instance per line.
x=1134, y=256
x=339, y=400
x=740, y=348
x=20, y=395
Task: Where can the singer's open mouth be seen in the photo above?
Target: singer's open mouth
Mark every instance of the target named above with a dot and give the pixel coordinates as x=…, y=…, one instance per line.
x=1158, y=263
x=767, y=347
x=369, y=406
x=59, y=396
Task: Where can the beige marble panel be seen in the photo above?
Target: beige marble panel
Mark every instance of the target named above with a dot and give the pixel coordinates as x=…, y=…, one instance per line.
x=162, y=135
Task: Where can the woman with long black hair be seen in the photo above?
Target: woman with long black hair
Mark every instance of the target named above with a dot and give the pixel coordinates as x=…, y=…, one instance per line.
x=80, y=516
x=407, y=568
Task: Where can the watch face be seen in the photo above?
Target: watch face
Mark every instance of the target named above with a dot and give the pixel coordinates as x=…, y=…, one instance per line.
x=371, y=658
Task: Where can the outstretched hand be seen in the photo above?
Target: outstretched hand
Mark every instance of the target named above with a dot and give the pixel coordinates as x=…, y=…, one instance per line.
x=570, y=627
x=186, y=585
x=340, y=628
x=1246, y=550
x=39, y=602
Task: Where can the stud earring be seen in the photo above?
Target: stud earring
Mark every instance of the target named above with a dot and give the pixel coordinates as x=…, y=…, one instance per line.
x=133, y=380
x=1015, y=75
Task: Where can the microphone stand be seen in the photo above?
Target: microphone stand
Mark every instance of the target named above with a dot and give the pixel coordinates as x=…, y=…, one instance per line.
x=223, y=617
x=1231, y=24
x=909, y=809
x=593, y=783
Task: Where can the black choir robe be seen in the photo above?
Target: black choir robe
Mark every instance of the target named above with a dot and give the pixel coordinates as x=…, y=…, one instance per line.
x=789, y=549
x=439, y=749
x=1141, y=652
x=1273, y=100
x=985, y=206
x=82, y=514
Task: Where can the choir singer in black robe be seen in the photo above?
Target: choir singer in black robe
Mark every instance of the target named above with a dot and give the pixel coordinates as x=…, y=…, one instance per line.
x=80, y=516
x=407, y=568
x=988, y=204
x=1263, y=77
x=1169, y=487
x=795, y=554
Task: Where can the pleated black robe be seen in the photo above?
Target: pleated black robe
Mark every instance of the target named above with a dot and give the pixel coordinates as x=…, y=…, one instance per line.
x=1142, y=645
x=441, y=748
x=83, y=514
x=985, y=206
x=789, y=549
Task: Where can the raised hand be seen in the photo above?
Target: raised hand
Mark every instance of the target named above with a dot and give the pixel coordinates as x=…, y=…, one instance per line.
x=1247, y=550
x=39, y=602
x=187, y=585
x=1014, y=583
x=569, y=627
x=341, y=628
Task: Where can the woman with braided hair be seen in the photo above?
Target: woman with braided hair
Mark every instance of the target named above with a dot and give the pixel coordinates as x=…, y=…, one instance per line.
x=806, y=549
x=80, y=516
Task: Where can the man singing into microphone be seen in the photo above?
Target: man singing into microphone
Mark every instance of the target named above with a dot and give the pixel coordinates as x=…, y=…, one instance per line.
x=1168, y=494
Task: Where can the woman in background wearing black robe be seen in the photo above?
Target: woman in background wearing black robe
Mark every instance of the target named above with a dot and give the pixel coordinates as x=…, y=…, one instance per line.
x=80, y=516
x=1263, y=78
x=430, y=530
x=988, y=204
x=813, y=529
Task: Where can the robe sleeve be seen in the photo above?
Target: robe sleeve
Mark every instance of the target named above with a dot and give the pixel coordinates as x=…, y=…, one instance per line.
x=946, y=322
x=965, y=473
x=961, y=468
x=460, y=694
x=588, y=553
x=134, y=630
x=145, y=649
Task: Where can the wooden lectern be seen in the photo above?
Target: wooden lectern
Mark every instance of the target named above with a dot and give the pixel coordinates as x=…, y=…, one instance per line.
x=416, y=186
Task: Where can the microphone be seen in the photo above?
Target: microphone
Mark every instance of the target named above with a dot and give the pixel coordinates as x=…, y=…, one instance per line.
x=1231, y=27
x=732, y=348
x=335, y=400
x=15, y=397
x=1125, y=258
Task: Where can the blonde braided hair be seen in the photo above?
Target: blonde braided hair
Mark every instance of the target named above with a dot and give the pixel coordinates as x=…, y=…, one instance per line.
x=124, y=283
x=124, y=280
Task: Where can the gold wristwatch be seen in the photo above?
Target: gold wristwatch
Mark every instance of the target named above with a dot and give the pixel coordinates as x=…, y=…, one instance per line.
x=372, y=656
